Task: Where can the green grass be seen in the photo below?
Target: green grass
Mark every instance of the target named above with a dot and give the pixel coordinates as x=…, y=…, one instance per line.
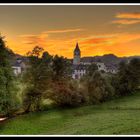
x=119, y=116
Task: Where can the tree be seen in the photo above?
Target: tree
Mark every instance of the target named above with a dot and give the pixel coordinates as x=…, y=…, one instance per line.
x=128, y=77
x=36, y=52
x=123, y=87
x=91, y=69
x=134, y=67
x=61, y=67
x=99, y=89
x=8, y=100
x=64, y=93
x=37, y=78
x=67, y=94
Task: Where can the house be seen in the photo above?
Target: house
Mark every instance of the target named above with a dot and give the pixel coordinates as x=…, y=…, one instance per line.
x=101, y=66
x=111, y=68
x=78, y=71
x=19, y=66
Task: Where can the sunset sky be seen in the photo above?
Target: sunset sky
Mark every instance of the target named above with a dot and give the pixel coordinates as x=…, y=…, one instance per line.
x=98, y=29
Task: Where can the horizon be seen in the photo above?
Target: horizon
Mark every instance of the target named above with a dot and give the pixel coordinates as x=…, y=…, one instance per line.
x=98, y=29
x=90, y=56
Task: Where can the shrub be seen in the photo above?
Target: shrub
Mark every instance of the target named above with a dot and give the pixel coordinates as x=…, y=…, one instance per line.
x=67, y=94
x=37, y=78
x=99, y=88
x=31, y=100
x=128, y=77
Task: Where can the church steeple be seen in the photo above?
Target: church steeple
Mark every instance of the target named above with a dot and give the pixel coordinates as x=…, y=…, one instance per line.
x=77, y=50
x=77, y=47
x=77, y=55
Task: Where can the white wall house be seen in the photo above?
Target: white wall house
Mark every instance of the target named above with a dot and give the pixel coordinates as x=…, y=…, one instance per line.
x=19, y=66
x=110, y=70
x=17, y=70
x=78, y=73
x=101, y=66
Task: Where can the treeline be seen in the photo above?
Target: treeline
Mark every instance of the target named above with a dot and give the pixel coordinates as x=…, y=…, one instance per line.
x=8, y=98
x=49, y=77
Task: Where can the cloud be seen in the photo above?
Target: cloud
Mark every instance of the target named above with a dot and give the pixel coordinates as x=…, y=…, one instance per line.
x=109, y=40
x=127, y=18
x=126, y=22
x=53, y=45
x=121, y=44
x=43, y=37
x=96, y=41
x=134, y=15
x=63, y=31
x=99, y=40
x=91, y=41
x=34, y=39
x=126, y=38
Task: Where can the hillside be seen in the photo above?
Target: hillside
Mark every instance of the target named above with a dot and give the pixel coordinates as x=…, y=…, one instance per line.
x=108, y=59
x=119, y=116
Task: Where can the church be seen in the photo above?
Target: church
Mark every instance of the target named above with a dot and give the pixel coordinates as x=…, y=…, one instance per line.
x=80, y=68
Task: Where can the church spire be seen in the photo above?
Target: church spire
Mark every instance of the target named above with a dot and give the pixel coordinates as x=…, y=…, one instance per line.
x=77, y=55
x=77, y=48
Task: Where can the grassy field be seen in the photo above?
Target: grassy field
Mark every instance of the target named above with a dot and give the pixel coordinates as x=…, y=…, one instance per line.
x=120, y=116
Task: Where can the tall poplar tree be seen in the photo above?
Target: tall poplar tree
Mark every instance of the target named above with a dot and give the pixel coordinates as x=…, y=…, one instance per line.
x=7, y=86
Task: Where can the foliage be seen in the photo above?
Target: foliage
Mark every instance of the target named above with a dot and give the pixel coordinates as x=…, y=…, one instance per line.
x=31, y=100
x=37, y=78
x=65, y=91
x=8, y=89
x=61, y=67
x=67, y=94
x=91, y=69
x=36, y=51
x=99, y=88
x=128, y=77
x=134, y=67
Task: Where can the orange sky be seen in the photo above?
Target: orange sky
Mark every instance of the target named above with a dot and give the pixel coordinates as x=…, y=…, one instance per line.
x=98, y=29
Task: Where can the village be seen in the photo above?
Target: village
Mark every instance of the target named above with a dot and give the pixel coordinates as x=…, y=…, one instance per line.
x=79, y=66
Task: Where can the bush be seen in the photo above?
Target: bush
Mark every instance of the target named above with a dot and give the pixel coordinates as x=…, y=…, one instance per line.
x=66, y=94
x=128, y=77
x=31, y=100
x=37, y=78
x=99, y=88
x=115, y=85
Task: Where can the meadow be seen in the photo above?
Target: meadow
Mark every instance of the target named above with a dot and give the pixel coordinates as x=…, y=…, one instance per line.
x=115, y=117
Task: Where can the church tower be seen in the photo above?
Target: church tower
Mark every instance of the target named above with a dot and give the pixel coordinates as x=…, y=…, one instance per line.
x=76, y=55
